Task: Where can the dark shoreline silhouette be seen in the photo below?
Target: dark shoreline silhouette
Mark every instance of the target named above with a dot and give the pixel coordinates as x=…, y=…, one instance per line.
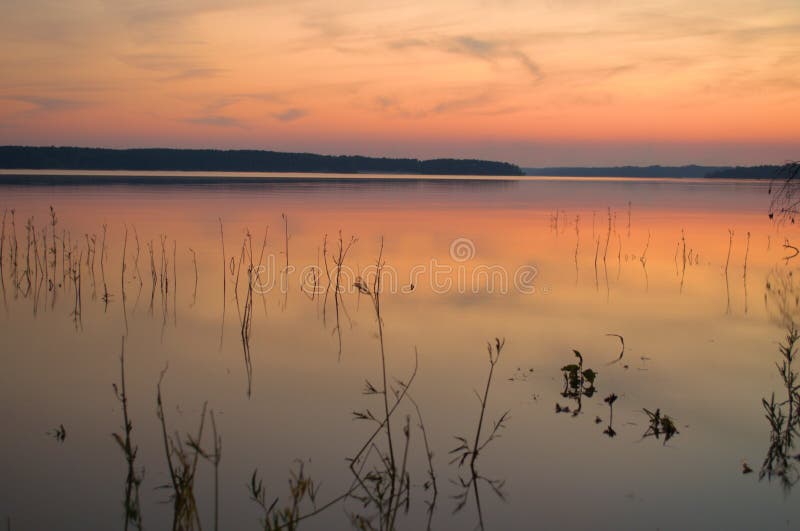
x=164, y=159
x=689, y=171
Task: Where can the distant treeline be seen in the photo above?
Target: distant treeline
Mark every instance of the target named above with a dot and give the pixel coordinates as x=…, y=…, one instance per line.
x=74, y=158
x=747, y=172
x=711, y=172
x=628, y=171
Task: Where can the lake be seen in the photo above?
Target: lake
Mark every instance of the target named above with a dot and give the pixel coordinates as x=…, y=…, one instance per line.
x=677, y=293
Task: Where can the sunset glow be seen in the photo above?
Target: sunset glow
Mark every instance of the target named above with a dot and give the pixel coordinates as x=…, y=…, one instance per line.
x=534, y=83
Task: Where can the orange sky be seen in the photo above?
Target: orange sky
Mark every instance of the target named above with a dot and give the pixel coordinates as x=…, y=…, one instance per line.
x=537, y=83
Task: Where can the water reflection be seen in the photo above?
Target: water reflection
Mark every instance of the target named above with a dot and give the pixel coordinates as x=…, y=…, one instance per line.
x=307, y=369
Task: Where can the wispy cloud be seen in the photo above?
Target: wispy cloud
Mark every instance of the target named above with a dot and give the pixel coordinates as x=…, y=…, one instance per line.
x=175, y=67
x=217, y=104
x=485, y=102
x=289, y=115
x=400, y=44
x=462, y=103
x=157, y=61
x=216, y=121
x=43, y=103
x=196, y=73
x=491, y=50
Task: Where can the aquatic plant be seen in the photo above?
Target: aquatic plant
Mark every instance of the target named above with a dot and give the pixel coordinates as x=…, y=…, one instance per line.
x=467, y=450
x=784, y=419
x=182, y=465
x=610, y=399
x=385, y=486
x=660, y=424
x=133, y=479
x=578, y=382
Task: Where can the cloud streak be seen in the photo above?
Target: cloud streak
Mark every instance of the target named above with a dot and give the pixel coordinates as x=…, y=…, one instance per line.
x=489, y=50
x=46, y=104
x=215, y=121
x=290, y=115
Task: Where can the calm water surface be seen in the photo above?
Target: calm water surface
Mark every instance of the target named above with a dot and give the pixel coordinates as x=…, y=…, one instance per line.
x=690, y=273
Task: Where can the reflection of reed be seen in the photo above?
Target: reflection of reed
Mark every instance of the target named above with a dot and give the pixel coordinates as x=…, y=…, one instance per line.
x=27, y=271
x=338, y=261
x=784, y=420
x=578, y=382
x=136, y=256
x=3, y=288
x=629, y=219
x=174, y=283
x=52, y=252
x=608, y=237
x=153, y=275
x=643, y=261
x=14, y=250
x=683, y=262
x=215, y=459
x=133, y=479
x=466, y=451
x=431, y=482
x=75, y=275
x=51, y=264
x=577, y=244
x=596, y=278
x=164, y=285
x=182, y=465
x=727, y=296
x=3, y=239
x=730, y=246
x=122, y=280
x=106, y=298
x=246, y=324
x=224, y=285
x=91, y=251
x=285, y=276
x=744, y=272
x=382, y=481
x=727, y=264
x=328, y=277
x=610, y=399
x=194, y=291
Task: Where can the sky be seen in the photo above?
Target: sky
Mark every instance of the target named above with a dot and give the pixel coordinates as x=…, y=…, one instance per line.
x=537, y=83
